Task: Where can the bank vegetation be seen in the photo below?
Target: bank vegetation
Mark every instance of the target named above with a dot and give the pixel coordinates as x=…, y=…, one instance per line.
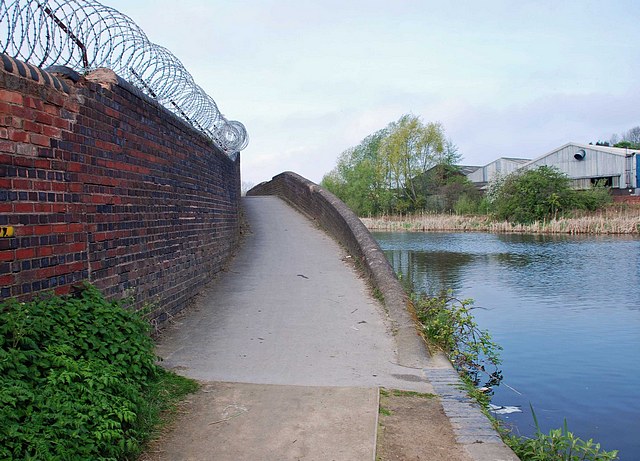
x=611, y=219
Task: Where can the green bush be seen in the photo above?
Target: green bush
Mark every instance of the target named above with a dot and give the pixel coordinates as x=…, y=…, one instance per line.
x=467, y=205
x=74, y=376
x=542, y=193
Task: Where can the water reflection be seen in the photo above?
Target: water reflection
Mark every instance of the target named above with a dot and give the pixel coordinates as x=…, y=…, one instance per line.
x=566, y=310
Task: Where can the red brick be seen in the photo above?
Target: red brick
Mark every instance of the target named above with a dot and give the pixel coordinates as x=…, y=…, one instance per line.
x=7, y=146
x=7, y=255
x=10, y=97
x=52, y=132
x=22, y=112
x=44, y=118
x=40, y=140
x=75, y=227
x=21, y=184
x=33, y=127
x=7, y=280
x=42, y=230
x=63, y=290
x=33, y=103
x=51, y=109
x=18, y=135
x=25, y=253
x=45, y=273
x=44, y=251
x=62, y=124
x=59, y=228
x=42, y=208
x=23, y=207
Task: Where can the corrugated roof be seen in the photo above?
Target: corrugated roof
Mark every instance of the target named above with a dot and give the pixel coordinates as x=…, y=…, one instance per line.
x=609, y=150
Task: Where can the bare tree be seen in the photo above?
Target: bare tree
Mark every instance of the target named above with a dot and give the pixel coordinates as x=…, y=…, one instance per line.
x=633, y=135
x=614, y=139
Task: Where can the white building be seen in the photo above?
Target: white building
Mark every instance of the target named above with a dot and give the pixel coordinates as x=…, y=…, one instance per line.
x=586, y=164
x=503, y=166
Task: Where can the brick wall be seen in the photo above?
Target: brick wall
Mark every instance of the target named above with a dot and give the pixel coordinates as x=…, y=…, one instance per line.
x=101, y=183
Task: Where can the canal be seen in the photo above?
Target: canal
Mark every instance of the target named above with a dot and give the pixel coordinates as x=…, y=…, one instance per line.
x=565, y=309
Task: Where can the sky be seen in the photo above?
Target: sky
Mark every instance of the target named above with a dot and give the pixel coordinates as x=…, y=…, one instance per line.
x=309, y=79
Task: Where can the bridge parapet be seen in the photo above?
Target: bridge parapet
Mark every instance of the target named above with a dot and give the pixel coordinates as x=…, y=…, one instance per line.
x=331, y=214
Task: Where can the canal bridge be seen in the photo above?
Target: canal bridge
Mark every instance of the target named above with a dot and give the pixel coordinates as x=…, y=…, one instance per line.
x=292, y=330
x=296, y=338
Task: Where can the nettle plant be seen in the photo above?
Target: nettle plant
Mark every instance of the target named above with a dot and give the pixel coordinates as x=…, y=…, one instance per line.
x=73, y=375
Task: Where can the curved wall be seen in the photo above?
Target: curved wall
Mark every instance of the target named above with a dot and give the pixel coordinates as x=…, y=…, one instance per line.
x=330, y=213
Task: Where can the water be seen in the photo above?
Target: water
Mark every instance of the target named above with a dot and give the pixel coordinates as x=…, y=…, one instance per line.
x=565, y=309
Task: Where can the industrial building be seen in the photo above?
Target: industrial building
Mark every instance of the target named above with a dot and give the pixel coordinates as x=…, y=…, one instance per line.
x=585, y=164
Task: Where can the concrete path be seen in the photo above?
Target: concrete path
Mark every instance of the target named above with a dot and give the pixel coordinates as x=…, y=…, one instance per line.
x=291, y=347
x=293, y=316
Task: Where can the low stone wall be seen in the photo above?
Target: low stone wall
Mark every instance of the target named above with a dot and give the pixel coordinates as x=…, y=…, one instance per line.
x=331, y=214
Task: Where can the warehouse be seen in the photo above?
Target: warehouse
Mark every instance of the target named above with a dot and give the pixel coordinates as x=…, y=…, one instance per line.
x=587, y=165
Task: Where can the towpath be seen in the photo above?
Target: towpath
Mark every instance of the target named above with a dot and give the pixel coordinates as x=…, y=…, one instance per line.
x=292, y=348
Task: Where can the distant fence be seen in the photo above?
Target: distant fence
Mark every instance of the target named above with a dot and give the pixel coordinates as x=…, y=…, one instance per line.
x=86, y=35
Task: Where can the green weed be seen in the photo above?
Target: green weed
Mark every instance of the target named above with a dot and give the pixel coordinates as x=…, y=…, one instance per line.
x=557, y=445
x=78, y=379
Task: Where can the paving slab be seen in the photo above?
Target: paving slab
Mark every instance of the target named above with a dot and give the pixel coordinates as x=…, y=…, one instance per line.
x=249, y=422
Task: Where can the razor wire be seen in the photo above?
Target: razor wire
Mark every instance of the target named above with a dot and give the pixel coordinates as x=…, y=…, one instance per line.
x=86, y=35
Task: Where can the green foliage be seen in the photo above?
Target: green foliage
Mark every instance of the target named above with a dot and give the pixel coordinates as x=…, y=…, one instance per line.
x=387, y=171
x=540, y=194
x=627, y=145
x=449, y=324
x=558, y=444
x=467, y=205
x=75, y=376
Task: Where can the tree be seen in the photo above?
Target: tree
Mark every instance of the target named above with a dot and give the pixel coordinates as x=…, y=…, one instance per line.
x=629, y=139
x=359, y=177
x=526, y=196
x=410, y=150
x=386, y=171
x=633, y=135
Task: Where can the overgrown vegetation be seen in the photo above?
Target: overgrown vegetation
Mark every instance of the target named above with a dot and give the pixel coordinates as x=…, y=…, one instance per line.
x=78, y=379
x=615, y=218
x=449, y=324
x=538, y=194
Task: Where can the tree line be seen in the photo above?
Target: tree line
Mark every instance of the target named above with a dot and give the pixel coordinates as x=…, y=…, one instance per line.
x=407, y=166
x=410, y=166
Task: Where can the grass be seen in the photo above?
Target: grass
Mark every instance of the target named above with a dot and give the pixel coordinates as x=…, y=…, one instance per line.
x=163, y=401
x=612, y=219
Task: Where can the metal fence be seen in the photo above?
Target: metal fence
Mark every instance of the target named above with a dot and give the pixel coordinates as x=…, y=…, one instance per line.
x=86, y=35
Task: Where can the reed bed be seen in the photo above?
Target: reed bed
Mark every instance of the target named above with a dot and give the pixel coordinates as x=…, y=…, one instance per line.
x=614, y=219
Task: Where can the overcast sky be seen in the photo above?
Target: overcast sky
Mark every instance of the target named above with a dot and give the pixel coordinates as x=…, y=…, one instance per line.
x=310, y=79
